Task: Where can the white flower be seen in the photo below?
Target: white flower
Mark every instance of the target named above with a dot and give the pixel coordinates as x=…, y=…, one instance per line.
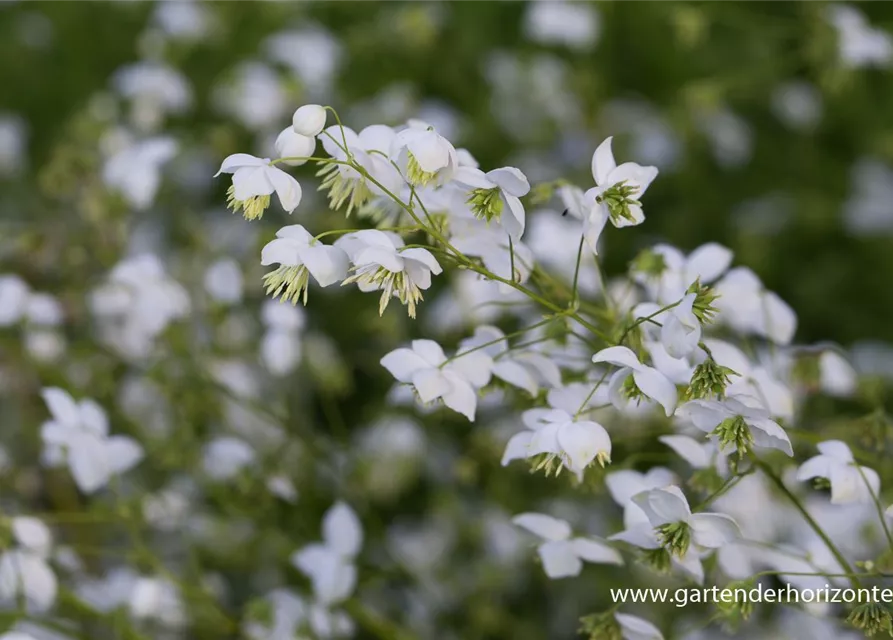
x=747, y=307
x=755, y=382
x=293, y=148
x=424, y=156
x=157, y=599
x=849, y=481
x=223, y=458
x=561, y=555
x=495, y=193
x=223, y=281
x=24, y=569
x=329, y=564
x=526, y=370
x=154, y=90
x=254, y=181
x=137, y=303
x=309, y=120
x=616, y=194
x=626, y=483
x=573, y=443
x=135, y=171
x=570, y=24
x=668, y=506
x=299, y=256
x=736, y=424
x=14, y=295
x=255, y=96
x=858, y=43
x=369, y=149
x=676, y=272
x=78, y=434
x=636, y=628
x=647, y=381
x=380, y=262
x=680, y=331
x=425, y=367
x=836, y=375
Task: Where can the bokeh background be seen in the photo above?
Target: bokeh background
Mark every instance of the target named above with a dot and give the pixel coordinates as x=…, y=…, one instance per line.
x=771, y=124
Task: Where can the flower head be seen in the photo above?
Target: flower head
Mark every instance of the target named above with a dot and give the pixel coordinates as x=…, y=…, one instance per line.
x=380, y=262
x=299, y=256
x=849, y=482
x=254, y=181
x=562, y=556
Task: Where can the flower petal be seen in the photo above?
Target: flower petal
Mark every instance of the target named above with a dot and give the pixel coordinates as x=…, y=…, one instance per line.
x=603, y=162
x=342, y=530
x=546, y=527
x=559, y=559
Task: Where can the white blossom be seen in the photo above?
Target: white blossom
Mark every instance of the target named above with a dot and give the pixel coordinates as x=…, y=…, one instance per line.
x=647, y=380
x=563, y=556
x=425, y=366
x=254, y=180
x=849, y=481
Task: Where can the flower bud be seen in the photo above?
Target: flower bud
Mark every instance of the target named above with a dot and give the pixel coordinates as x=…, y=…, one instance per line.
x=293, y=145
x=309, y=120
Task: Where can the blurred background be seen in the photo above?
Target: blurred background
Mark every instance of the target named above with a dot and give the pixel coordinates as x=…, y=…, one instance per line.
x=771, y=124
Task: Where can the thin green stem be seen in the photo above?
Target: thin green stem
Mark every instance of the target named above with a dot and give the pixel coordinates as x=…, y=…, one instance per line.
x=779, y=483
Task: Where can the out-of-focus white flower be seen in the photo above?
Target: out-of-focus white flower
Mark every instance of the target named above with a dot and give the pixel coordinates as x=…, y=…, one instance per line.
x=24, y=570
x=135, y=170
x=78, y=435
x=666, y=273
x=223, y=281
x=185, y=19
x=136, y=303
x=425, y=366
x=729, y=135
x=330, y=564
x=255, y=96
x=797, y=104
x=225, y=457
x=157, y=599
x=570, y=24
x=289, y=611
x=13, y=299
x=562, y=556
x=155, y=90
x=849, y=481
x=867, y=209
x=311, y=53
x=12, y=145
x=859, y=45
x=747, y=307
